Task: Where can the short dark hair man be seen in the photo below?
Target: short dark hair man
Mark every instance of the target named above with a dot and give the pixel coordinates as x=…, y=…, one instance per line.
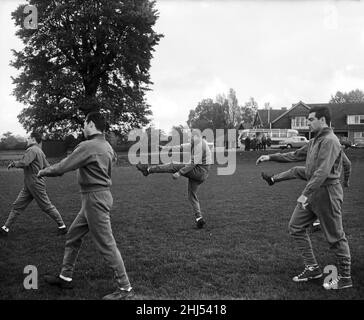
x=93, y=158
x=322, y=198
x=34, y=187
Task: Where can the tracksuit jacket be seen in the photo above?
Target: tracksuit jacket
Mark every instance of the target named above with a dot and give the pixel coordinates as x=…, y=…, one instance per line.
x=323, y=155
x=94, y=159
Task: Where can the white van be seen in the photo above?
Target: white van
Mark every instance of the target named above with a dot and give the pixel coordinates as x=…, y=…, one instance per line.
x=293, y=142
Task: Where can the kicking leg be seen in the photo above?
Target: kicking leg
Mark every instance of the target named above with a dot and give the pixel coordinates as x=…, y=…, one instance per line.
x=297, y=172
x=172, y=167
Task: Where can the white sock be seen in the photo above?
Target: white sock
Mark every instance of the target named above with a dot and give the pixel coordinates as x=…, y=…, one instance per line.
x=62, y=227
x=198, y=218
x=126, y=289
x=65, y=278
x=5, y=228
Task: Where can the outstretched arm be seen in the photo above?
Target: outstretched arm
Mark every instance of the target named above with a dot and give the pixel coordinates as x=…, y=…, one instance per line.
x=295, y=156
x=77, y=159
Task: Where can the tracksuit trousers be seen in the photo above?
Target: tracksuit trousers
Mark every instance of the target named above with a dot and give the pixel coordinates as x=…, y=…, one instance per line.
x=34, y=188
x=195, y=177
x=293, y=173
x=94, y=217
x=326, y=205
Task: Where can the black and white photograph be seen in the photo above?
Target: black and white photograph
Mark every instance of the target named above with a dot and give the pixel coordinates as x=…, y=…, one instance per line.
x=191, y=152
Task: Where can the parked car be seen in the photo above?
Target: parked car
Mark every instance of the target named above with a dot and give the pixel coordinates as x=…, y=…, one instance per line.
x=293, y=142
x=358, y=145
x=346, y=143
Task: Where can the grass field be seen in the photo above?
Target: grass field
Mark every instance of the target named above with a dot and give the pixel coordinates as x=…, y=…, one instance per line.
x=244, y=252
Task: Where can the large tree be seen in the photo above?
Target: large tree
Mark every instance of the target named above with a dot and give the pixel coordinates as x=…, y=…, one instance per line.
x=249, y=110
x=85, y=55
x=353, y=96
x=208, y=114
x=9, y=141
x=222, y=113
x=232, y=108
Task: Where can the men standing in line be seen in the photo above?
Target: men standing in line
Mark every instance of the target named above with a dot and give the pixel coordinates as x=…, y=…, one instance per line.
x=34, y=187
x=322, y=198
x=94, y=159
x=196, y=171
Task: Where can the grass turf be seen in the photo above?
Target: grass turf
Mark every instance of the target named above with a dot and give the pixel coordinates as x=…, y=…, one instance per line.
x=244, y=252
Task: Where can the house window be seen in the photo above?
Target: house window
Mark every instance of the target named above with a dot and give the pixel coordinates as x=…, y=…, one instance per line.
x=358, y=135
x=355, y=119
x=299, y=122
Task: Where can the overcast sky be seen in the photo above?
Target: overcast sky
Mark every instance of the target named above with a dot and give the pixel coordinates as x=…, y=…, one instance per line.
x=275, y=51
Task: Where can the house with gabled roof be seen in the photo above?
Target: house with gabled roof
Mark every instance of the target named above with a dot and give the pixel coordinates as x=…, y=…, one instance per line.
x=264, y=117
x=347, y=119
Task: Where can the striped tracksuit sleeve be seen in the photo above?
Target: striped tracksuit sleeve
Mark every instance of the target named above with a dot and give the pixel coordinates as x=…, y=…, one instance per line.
x=295, y=156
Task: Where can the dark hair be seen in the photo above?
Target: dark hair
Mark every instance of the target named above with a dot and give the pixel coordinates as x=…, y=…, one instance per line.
x=99, y=120
x=37, y=136
x=322, y=112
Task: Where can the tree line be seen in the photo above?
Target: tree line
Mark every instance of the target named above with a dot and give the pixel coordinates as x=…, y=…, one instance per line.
x=91, y=55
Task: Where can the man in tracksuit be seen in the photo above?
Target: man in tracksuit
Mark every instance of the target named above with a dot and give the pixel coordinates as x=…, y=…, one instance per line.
x=94, y=159
x=322, y=198
x=196, y=171
x=34, y=187
x=299, y=172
